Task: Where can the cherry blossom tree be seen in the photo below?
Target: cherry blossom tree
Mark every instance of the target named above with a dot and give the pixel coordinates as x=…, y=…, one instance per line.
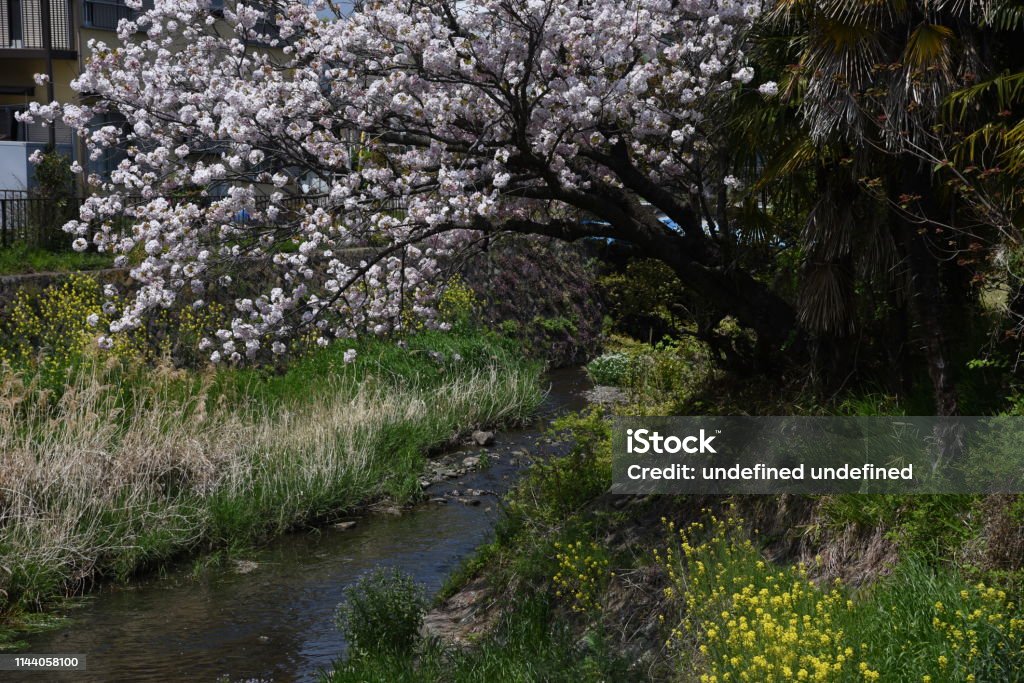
x=268, y=138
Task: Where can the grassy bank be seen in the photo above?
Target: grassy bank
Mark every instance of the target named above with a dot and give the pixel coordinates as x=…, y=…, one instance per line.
x=582, y=585
x=130, y=466
x=21, y=259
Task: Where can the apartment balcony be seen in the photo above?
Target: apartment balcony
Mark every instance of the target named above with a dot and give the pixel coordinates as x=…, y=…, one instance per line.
x=23, y=28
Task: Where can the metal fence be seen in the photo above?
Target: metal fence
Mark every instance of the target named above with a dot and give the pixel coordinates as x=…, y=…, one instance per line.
x=36, y=221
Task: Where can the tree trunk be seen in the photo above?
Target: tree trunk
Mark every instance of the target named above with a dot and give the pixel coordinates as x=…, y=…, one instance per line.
x=928, y=302
x=926, y=305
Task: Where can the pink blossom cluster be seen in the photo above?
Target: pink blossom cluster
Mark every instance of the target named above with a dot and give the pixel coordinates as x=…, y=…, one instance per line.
x=264, y=141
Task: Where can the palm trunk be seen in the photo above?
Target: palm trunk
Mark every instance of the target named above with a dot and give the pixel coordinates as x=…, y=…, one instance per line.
x=927, y=304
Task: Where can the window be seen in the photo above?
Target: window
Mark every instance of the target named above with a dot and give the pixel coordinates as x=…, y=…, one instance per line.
x=14, y=23
x=106, y=14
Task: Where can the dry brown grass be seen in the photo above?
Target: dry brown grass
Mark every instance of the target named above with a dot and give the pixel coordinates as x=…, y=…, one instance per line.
x=94, y=484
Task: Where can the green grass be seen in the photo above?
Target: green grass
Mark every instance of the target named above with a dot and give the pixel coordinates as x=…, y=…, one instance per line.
x=936, y=526
x=19, y=259
x=741, y=616
x=922, y=621
x=158, y=464
x=528, y=645
x=931, y=617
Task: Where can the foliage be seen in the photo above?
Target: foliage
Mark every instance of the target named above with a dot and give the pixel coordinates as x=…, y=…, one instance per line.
x=646, y=300
x=660, y=379
x=934, y=528
x=51, y=202
x=743, y=615
x=611, y=369
x=21, y=258
x=528, y=644
x=382, y=613
x=551, y=490
x=159, y=462
x=53, y=176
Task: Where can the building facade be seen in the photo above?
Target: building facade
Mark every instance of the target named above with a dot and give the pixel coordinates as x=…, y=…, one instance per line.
x=46, y=37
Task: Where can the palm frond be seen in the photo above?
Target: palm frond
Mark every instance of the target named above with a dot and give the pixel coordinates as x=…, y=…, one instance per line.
x=825, y=299
x=799, y=153
x=929, y=46
x=1007, y=15
x=1006, y=88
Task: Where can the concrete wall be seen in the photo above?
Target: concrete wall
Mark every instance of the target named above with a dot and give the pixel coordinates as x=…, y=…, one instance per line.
x=35, y=283
x=13, y=165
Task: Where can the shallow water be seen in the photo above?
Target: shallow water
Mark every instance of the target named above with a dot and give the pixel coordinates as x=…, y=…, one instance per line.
x=271, y=616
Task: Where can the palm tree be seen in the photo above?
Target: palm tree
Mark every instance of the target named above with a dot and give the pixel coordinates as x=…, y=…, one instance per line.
x=864, y=83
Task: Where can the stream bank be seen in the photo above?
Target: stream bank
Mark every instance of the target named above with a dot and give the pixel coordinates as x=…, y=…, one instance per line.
x=270, y=615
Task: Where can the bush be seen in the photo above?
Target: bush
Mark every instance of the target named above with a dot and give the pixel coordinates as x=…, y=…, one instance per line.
x=609, y=368
x=661, y=379
x=556, y=488
x=645, y=300
x=55, y=186
x=382, y=613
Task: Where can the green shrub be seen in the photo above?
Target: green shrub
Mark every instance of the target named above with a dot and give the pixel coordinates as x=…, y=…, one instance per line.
x=382, y=613
x=554, y=489
x=609, y=368
x=645, y=299
x=661, y=379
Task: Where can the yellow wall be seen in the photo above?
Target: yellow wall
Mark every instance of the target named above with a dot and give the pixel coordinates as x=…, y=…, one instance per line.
x=21, y=72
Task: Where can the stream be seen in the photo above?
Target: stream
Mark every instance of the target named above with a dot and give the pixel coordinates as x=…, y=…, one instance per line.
x=270, y=615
